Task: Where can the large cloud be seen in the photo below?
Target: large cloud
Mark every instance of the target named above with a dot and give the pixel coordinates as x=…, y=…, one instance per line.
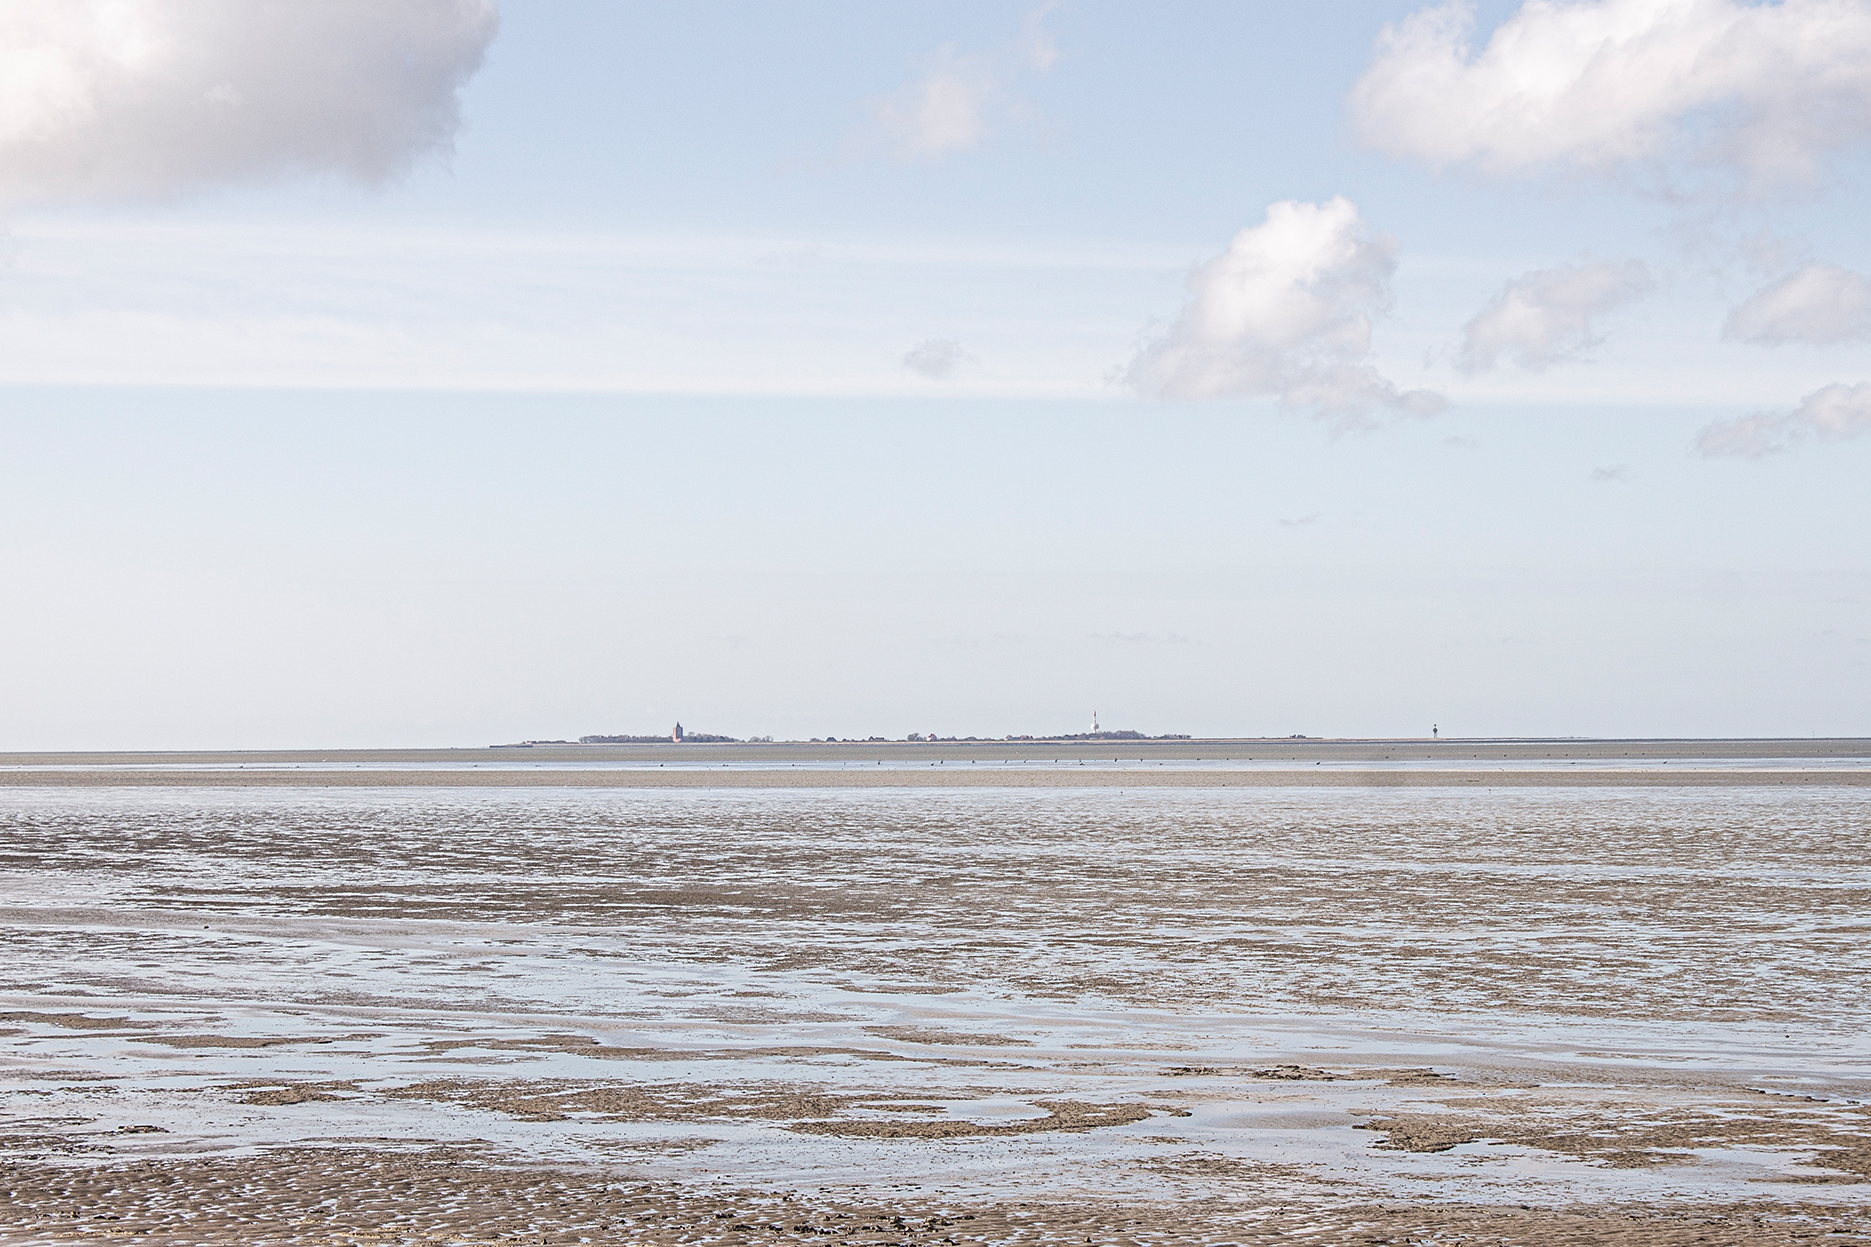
x=1285, y=312
x=1817, y=303
x=1549, y=315
x=1832, y=414
x=102, y=98
x=1597, y=83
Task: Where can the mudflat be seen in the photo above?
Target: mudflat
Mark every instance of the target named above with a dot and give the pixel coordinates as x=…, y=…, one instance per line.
x=1251, y=1004
x=986, y=764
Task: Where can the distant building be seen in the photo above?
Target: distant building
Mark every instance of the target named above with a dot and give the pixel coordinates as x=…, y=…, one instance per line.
x=1094, y=723
x=676, y=735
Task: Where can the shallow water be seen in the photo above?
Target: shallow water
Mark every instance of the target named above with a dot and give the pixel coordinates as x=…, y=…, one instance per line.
x=1594, y=985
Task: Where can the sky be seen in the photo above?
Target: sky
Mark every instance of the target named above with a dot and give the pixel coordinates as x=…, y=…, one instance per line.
x=438, y=372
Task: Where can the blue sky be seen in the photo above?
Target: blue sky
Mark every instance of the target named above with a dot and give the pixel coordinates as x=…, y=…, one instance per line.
x=853, y=369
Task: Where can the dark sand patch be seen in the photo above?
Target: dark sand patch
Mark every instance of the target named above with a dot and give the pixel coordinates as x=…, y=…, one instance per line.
x=73, y=1021
x=1063, y=1116
x=805, y=1110
x=327, y=1197
x=586, y=1046
x=1407, y=1077
x=231, y=1041
x=560, y=1100
x=1273, y=1073
x=1422, y=1133
x=1632, y=1136
x=286, y=1095
x=938, y=1036
x=578, y=1045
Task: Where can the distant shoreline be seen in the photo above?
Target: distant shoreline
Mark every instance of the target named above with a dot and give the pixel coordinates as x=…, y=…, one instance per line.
x=986, y=764
x=932, y=778
x=1558, y=750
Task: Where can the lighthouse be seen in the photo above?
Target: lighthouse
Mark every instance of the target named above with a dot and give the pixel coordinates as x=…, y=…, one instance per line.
x=1094, y=723
x=676, y=735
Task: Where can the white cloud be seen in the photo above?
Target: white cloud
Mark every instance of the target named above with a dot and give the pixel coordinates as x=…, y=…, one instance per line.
x=106, y=98
x=1767, y=88
x=936, y=358
x=1037, y=45
x=1547, y=315
x=946, y=110
x=1285, y=312
x=1817, y=303
x=1830, y=414
x=960, y=98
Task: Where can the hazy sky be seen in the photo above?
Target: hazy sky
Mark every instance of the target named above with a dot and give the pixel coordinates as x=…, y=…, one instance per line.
x=394, y=372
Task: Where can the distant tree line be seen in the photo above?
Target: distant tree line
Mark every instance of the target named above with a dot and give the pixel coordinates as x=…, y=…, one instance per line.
x=932, y=738
x=1108, y=736
x=688, y=738
x=705, y=738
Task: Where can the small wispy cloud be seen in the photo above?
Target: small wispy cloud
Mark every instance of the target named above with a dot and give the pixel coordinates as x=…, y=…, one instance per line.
x=1303, y=521
x=1143, y=638
x=1549, y=315
x=989, y=640
x=1833, y=413
x=1818, y=303
x=936, y=358
x=959, y=98
x=1616, y=474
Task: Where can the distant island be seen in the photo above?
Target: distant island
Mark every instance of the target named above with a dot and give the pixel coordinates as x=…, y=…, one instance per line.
x=683, y=737
x=1118, y=735
x=680, y=735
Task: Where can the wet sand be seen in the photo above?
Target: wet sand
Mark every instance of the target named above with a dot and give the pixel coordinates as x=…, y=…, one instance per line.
x=333, y=1196
x=987, y=764
x=1242, y=1012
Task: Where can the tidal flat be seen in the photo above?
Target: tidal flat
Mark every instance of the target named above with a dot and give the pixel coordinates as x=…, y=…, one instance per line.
x=257, y=999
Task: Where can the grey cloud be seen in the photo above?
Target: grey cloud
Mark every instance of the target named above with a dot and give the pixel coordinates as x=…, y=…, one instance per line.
x=155, y=97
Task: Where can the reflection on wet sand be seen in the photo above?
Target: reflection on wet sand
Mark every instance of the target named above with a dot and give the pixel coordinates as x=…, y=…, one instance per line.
x=1347, y=1014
